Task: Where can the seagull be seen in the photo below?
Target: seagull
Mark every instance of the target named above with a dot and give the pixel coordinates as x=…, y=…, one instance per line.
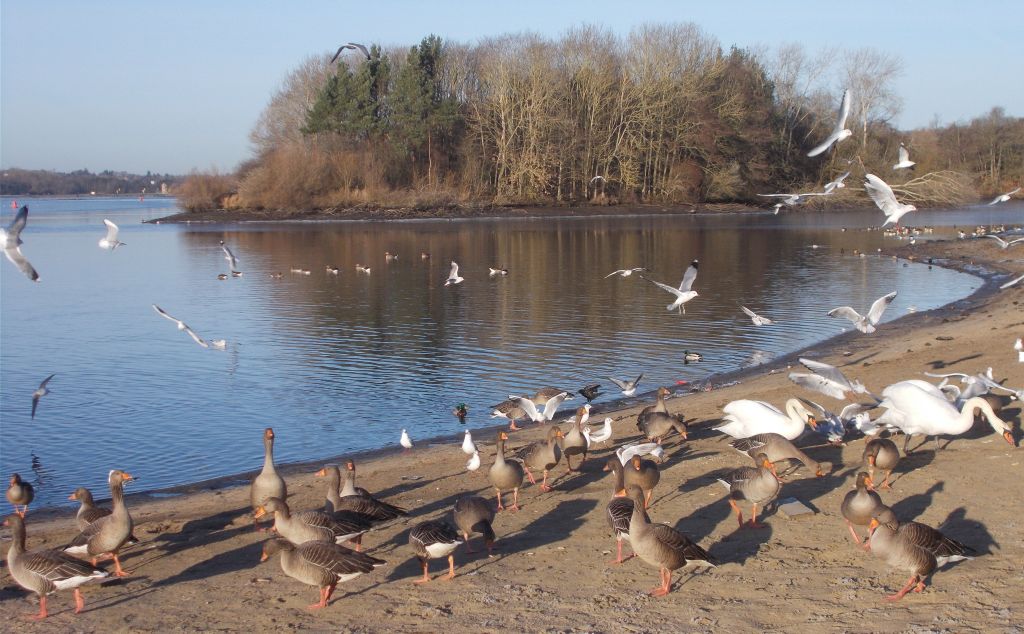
x=839, y=132
x=603, y=435
x=777, y=207
x=625, y=453
x=229, y=256
x=833, y=426
x=1012, y=282
x=905, y=161
x=683, y=293
x=354, y=47
x=453, y=275
x=827, y=379
x=1017, y=345
x=884, y=197
x=41, y=391
x=1002, y=198
x=110, y=241
x=794, y=199
x=493, y=272
x=628, y=387
x=11, y=239
x=528, y=406
x=757, y=319
x=865, y=323
x=837, y=183
x=597, y=178
x=626, y=272
x=468, y=446
x=182, y=326
x=405, y=441
x=474, y=462
x=1003, y=243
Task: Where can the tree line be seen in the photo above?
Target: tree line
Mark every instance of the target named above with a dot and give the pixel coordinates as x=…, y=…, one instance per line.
x=664, y=114
x=21, y=182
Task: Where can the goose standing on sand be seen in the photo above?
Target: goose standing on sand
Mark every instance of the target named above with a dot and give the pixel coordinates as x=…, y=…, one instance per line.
x=46, y=571
x=917, y=548
x=777, y=448
x=881, y=453
x=660, y=545
x=320, y=564
x=506, y=475
x=473, y=514
x=641, y=473
x=759, y=485
x=10, y=241
x=575, y=443
x=839, y=132
x=88, y=512
x=105, y=536
x=745, y=418
x=860, y=505
x=542, y=456
x=40, y=392
x=684, y=293
x=657, y=425
x=628, y=387
x=619, y=509
x=434, y=539
x=268, y=484
x=511, y=410
x=20, y=494
x=359, y=500
x=312, y=526
x=659, y=404
x=110, y=241
x=453, y=275
x=865, y=323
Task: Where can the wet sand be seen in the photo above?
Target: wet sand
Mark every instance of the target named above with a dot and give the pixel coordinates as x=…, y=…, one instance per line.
x=198, y=567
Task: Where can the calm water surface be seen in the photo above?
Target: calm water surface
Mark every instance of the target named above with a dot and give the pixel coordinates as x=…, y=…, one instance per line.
x=343, y=363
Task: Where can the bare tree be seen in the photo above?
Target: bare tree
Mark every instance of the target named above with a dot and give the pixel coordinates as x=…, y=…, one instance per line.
x=869, y=74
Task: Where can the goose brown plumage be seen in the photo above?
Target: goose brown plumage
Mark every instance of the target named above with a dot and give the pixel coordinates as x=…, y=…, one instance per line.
x=542, y=456
x=759, y=485
x=619, y=509
x=88, y=512
x=881, y=453
x=20, y=494
x=268, y=484
x=777, y=447
x=433, y=539
x=473, y=514
x=309, y=526
x=354, y=499
x=657, y=425
x=45, y=571
x=860, y=505
x=574, y=442
x=642, y=473
x=659, y=404
x=506, y=475
x=511, y=410
x=323, y=564
x=107, y=535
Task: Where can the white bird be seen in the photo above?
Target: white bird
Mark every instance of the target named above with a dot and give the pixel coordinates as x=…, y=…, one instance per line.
x=474, y=462
x=1005, y=244
x=776, y=208
x=354, y=47
x=833, y=426
x=181, y=326
x=625, y=272
x=626, y=452
x=865, y=323
x=885, y=199
x=41, y=391
x=110, y=240
x=597, y=178
x=839, y=132
x=745, y=418
x=837, y=183
x=405, y=441
x=794, y=199
x=905, y=161
x=628, y=387
x=219, y=344
x=757, y=319
x=603, y=435
x=827, y=379
x=1002, y=198
x=1012, y=282
x=683, y=293
x=453, y=275
x=548, y=413
x=1019, y=347
x=492, y=272
x=11, y=239
x=468, y=446
x=230, y=257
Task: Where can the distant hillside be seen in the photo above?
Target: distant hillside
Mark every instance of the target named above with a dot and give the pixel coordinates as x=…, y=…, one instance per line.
x=21, y=182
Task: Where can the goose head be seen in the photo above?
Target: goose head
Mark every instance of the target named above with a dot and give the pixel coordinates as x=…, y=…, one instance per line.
x=271, y=547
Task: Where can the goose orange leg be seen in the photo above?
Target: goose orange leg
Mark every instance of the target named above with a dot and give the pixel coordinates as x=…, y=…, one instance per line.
x=451, y=567
x=544, y=486
x=529, y=474
x=515, y=499
x=79, y=601
x=426, y=576
x=42, y=610
x=500, y=507
x=666, y=584
x=739, y=513
x=469, y=549
x=118, y=571
x=753, y=519
x=853, y=533
x=619, y=559
x=916, y=583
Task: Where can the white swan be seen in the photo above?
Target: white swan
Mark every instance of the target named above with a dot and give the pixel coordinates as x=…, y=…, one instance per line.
x=744, y=419
x=918, y=410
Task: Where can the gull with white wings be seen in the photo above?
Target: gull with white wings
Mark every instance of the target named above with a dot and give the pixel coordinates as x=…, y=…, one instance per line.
x=827, y=379
x=453, y=275
x=626, y=272
x=1003, y=244
x=229, y=256
x=885, y=199
x=794, y=199
x=40, y=392
x=220, y=344
x=110, y=240
x=839, y=132
x=548, y=413
x=837, y=183
x=628, y=387
x=683, y=293
x=1012, y=282
x=1002, y=198
x=865, y=323
x=834, y=426
x=757, y=319
x=905, y=161
x=10, y=238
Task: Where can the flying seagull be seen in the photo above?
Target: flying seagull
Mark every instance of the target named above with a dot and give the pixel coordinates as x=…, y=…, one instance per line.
x=865, y=323
x=229, y=256
x=827, y=379
x=905, y=161
x=191, y=333
x=453, y=275
x=110, y=240
x=628, y=387
x=757, y=319
x=837, y=183
x=794, y=199
x=1012, y=282
x=885, y=199
x=11, y=239
x=40, y=393
x=530, y=408
x=1002, y=198
x=839, y=132
x=353, y=46
x=625, y=272
x=1003, y=243
x=683, y=293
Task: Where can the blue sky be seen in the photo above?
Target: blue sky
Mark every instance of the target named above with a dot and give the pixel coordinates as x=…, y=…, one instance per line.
x=172, y=86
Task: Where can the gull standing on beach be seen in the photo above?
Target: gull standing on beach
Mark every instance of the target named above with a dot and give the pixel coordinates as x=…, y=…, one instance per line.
x=453, y=275
x=10, y=238
x=905, y=161
x=1002, y=198
x=468, y=446
x=839, y=132
x=885, y=199
x=41, y=391
x=405, y=441
x=865, y=323
x=110, y=240
x=683, y=293
x=757, y=319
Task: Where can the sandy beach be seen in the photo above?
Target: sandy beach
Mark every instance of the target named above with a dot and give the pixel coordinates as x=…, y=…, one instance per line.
x=198, y=564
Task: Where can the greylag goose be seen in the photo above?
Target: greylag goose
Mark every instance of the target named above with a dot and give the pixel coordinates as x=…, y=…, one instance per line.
x=619, y=509
x=433, y=539
x=860, y=505
x=359, y=500
x=574, y=442
x=661, y=545
x=46, y=571
x=659, y=403
x=106, y=535
x=268, y=484
x=20, y=494
x=641, y=473
x=542, y=456
x=881, y=453
x=309, y=526
x=777, y=447
x=511, y=410
x=911, y=546
x=506, y=475
x=473, y=514
x=657, y=425
x=88, y=512
x=759, y=485
x=322, y=564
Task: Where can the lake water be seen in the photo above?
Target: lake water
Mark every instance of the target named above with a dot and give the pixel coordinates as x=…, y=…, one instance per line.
x=343, y=363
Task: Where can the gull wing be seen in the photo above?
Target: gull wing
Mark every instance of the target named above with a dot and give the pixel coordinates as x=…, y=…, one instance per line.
x=229, y=256
x=622, y=384
x=196, y=337
x=818, y=384
x=881, y=193
x=527, y=406
x=111, y=231
x=14, y=254
x=846, y=311
x=360, y=48
x=614, y=273
x=165, y=314
x=879, y=306
x=776, y=195
x=671, y=289
x=1001, y=242
x=454, y=272
x=830, y=372
x=46, y=380
x=689, y=277
x=844, y=112
x=904, y=154
x=16, y=225
x=552, y=405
